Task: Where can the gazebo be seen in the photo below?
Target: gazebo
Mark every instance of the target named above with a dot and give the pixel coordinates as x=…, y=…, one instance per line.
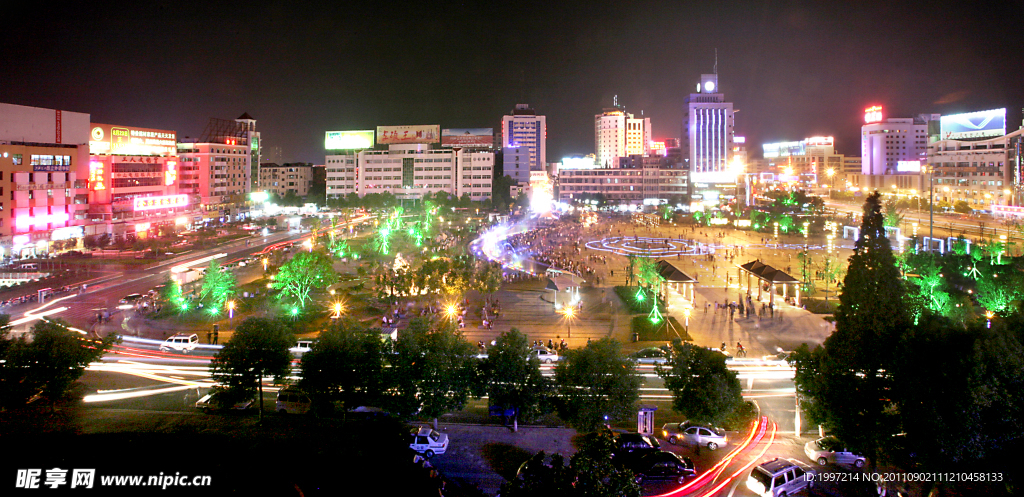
x=769, y=277
x=558, y=281
x=677, y=278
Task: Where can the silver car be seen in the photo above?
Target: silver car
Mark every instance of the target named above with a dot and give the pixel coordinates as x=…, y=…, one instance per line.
x=830, y=450
x=706, y=436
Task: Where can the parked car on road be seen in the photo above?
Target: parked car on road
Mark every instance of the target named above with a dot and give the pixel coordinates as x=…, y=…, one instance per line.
x=545, y=355
x=219, y=400
x=663, y=466
x=830, y=450
x=687, y=432
x=650, y=355
x=132, y=298
x=779, y=477
x=429, y=442
x=630, y=447
x=292, y=401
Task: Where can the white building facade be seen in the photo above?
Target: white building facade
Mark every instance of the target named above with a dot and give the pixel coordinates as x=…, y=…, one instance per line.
x=410, y=172
x=618, y=134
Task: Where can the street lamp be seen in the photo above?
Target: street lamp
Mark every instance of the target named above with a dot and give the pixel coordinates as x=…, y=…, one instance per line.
x=829, y=172
x=338, y=309
x=569, y=312
x=231, y=312
x=265, y=262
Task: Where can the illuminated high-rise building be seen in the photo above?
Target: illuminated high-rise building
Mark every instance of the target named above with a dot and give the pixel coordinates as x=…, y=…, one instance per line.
x=618, y=134
x=707, y=141
x=524, y=128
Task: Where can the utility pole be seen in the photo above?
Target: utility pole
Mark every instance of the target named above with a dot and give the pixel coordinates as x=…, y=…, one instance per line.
x=931, y=205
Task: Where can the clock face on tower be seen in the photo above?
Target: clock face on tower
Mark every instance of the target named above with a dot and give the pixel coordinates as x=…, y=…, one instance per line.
x=709, y=86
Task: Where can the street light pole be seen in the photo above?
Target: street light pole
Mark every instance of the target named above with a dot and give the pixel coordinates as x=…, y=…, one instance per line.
x=931, y=205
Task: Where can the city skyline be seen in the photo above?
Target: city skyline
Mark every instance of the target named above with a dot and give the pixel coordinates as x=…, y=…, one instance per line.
x=792, y=71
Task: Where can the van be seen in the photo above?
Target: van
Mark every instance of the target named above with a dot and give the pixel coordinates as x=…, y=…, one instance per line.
x=31, y=266
x=181, y=342
x=291, y=401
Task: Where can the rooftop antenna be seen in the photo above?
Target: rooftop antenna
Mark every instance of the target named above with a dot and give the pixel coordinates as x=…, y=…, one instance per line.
x=716, y=62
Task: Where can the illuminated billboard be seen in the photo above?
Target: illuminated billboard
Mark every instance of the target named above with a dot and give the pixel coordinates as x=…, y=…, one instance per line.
x=873, y=114
x=983, y=124
x=387, y=135
x=348, y=140
x=164, y=202
x=820, y=141
x=106, y=139
x=467, y=137
x=783, y=149
x=578, y=163
x=908, y=166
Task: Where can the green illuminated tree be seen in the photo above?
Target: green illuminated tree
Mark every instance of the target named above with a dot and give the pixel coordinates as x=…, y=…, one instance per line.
x=218, y=286
x=893, y=213
x=258, y=348
x=304, y=273
x=596, y=384
x=703, y=389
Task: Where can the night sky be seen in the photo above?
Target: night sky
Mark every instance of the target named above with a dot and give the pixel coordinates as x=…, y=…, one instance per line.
x=793, y=68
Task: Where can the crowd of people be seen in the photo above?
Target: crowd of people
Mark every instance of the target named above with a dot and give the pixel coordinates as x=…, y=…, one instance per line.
x=34, y=297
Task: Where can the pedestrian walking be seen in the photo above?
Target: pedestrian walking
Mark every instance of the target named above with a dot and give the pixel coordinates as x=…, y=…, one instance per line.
x=216, y=334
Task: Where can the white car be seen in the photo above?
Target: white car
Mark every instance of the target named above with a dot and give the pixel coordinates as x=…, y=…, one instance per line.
x=544, y=354
x=301, y=347
x=181, y=342
x=429, y=442
x=829, y=449
x=687, y=432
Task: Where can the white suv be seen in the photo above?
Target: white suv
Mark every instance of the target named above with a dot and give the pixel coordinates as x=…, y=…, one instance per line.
x=180, y=343
x=428, y=442
x=780, y=477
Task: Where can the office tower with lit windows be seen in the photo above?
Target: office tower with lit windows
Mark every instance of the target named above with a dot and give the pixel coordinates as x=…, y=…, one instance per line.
x=524, y=128
x=707, y=143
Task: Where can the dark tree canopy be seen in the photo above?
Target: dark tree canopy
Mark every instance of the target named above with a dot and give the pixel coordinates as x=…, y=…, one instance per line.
x=513, y=375
x=594, y=382
x=346, y=364
x=258, y=348
x=703, y=389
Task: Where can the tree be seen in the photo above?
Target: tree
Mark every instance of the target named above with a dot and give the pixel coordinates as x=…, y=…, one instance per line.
x=513, y=376
x=849, y=382
x=258, y=348
x=48, y=364
x=434, y=369
x=893, y=215
x=596, y=383
x=703, y=389
x=305, y=272
x=962, y=207
x=218, y=285
x=488, y=277
x=590, y=473
x=345, y=364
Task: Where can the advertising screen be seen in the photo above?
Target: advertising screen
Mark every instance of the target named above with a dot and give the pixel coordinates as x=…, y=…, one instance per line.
x=387, y=135
x=348, y=140
x=164, y=202
x=107, y=139
x=467, y=137
x=783, y=149
x=908, y=166
x=983, y=124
